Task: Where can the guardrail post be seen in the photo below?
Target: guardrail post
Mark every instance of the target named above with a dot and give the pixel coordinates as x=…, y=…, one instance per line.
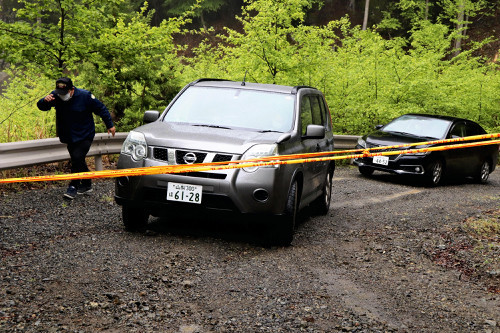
x=98, y=163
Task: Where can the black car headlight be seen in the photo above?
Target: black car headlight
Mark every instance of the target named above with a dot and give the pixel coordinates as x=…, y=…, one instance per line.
x=361, y=143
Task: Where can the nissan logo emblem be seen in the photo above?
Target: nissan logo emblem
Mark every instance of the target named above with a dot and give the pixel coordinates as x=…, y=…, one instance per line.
x=189, y=158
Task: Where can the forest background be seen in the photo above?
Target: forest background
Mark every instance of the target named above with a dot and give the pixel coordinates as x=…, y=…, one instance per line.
x=373, y=60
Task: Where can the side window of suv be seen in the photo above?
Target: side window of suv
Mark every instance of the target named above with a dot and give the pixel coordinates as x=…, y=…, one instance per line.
x=312, y=111
x=306, y=117
x=317, y=114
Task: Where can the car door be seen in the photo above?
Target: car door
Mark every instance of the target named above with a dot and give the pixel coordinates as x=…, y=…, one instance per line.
x=457, y=159
x=313, y=112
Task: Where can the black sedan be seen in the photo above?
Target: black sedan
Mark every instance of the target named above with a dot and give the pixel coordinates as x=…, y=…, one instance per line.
x=477, y=162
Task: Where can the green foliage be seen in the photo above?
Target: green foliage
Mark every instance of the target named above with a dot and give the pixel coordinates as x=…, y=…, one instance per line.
x=132, y=66
x=367, y=80
x=19, y=117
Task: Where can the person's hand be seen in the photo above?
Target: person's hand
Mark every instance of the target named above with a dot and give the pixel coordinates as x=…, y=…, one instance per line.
x=112, y=130
x=49, y=98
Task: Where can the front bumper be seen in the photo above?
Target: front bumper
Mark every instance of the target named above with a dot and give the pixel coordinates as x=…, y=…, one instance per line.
x=262, y=192
x=403, y=164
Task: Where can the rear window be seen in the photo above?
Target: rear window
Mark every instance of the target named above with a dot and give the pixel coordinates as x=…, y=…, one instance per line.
x=228, y=107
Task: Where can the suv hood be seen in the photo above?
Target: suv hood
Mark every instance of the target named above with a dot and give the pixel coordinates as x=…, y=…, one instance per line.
x=185, y=136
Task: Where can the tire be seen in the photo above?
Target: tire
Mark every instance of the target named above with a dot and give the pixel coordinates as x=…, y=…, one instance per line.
x=365, y=171
x=135, y=218
x=284, y=227
x=483, y=173
x=322, y=204
x=435, y=173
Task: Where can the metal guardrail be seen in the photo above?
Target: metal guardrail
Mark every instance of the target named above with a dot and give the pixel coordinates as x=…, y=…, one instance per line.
x=27, y=153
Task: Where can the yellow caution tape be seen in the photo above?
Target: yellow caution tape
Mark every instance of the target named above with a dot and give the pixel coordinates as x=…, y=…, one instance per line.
x=267, y=161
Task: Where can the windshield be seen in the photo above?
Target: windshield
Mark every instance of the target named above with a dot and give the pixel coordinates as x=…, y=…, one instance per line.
x=418, y=126
x=228, y=108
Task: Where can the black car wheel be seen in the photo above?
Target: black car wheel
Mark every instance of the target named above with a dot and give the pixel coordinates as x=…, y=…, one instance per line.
x=285, y=226
x=322, y=204
x=435, y=173
x=484, y=173
x=135, y=218
x=365, y=171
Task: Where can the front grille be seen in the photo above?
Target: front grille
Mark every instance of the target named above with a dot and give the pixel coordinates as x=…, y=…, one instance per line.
x=222, y=158
x=160, y=154
x=179, y=156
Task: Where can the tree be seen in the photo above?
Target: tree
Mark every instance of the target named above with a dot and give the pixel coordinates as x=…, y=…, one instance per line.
x=109, y=50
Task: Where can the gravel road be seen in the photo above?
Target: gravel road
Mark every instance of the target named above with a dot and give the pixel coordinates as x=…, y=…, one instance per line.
x=383, y=260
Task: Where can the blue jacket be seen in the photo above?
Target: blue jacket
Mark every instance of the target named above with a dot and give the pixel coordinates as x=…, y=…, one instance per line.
x=74, y=119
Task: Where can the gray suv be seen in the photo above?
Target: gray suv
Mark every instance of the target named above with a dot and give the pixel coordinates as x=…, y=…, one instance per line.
x=220, y=121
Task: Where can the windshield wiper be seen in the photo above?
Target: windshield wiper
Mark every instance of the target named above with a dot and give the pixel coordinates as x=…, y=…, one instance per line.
x=212, y=126
x=269, y=131
x=402, y=133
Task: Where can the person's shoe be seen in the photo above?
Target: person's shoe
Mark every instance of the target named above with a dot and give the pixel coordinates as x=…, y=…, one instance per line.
x=83, y=189
x=70, y=193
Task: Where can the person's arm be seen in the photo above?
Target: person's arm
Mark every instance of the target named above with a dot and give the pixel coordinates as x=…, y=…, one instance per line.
x=46, y=103
x=101, y=110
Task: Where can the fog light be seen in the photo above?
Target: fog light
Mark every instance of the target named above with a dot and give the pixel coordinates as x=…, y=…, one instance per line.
x=417, y=169
x=261, y=195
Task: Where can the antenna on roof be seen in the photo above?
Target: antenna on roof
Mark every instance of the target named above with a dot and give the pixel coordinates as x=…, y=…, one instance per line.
x=244, y=78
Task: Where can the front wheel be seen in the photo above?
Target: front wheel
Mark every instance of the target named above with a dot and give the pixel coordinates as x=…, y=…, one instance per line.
x=483, y=173
x=365, y=171
x=135, y=217
x=284, y=227
x=435, y=173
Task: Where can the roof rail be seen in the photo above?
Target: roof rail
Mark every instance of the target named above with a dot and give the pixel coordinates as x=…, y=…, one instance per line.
x=297, y=88
x=207, y=79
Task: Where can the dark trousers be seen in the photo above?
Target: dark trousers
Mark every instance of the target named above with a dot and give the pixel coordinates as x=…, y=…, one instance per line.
x=78, y=151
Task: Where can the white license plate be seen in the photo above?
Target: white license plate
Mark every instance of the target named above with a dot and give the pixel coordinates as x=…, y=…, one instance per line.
x=383, y=160
x=184, y=192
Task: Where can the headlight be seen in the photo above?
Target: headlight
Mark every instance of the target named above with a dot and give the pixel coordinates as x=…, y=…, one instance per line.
x=259, y=151
x=362, y=143
x=135, y=145
x=418, y=154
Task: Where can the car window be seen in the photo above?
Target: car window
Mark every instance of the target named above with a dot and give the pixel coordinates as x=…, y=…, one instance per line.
x=306, y=117
x=229, y=107
x=425, y=127
x=458, y=130
x=317, y=115
x=474, y=129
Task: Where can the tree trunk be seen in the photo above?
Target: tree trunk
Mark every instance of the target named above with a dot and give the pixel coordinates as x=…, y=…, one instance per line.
x=367, y=9
x=460, y=28
x=351, y=6
x=426, y=9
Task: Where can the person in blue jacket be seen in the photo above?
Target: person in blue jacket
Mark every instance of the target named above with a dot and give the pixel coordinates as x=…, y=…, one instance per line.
x=75, y=126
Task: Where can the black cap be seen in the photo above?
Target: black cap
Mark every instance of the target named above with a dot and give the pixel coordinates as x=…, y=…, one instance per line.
x=63, y=85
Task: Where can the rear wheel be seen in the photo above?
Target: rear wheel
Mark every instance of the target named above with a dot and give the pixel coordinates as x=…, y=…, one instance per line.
x=322, y=204
x=483, y=173
x=366, y=171
x=435, y=173
x=135, y=217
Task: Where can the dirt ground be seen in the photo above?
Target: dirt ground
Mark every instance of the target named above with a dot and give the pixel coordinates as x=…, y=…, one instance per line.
x=390, y=256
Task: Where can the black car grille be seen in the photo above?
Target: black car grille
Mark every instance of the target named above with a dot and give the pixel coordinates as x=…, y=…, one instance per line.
x=222, y=158
x=381, y=150
x=179, y=156
x=160, y=154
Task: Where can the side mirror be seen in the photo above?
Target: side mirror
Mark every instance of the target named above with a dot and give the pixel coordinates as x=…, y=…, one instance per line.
x=377, y=127
x=151, y=116
x=315, y=132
